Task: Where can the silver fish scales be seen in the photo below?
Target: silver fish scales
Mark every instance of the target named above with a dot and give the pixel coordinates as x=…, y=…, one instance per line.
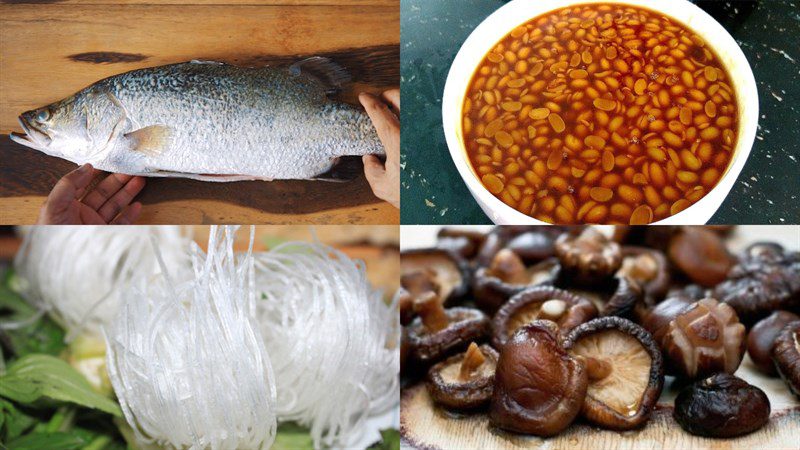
x=208, y=121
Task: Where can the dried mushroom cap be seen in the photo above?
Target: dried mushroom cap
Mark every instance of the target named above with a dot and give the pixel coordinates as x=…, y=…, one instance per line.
x=701, y=255
x=508, y=267
x=404, y=348
x=405, y=302
x=567, y=310
x=657, y=320
x=617, y=296
x=533, y=243
x=704, y=339
x=533, y=246
x=761, y=339
x=416, y=282
x=721, y=406
x=438, y=332
x=589, y=257
x=466, y=380
x=625, y=371
x=539, y=388
x=786, y=354
x=464, y=242
x=649, y=268
x=763, y=281
x=689, y=293
x=444, y=269
x=763, y=252
x=492, y=291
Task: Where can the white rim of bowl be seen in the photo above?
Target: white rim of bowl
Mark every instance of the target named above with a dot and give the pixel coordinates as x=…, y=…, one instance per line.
x=517, y=12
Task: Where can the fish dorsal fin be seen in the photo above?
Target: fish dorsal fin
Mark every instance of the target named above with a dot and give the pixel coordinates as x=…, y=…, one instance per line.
x=152, y=140
x=327, y=72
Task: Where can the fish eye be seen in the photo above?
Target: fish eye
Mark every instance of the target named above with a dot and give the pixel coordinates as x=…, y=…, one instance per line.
x=43, y=115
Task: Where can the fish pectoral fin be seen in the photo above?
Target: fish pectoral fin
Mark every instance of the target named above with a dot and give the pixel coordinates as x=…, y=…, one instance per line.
x=343, y=168
x=152, y=140
x=324, y=70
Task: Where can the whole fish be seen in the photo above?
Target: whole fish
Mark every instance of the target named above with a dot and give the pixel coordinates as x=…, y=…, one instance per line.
x=208, y=121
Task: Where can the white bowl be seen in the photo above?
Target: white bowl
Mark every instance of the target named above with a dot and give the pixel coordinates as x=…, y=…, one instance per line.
x=517, y=12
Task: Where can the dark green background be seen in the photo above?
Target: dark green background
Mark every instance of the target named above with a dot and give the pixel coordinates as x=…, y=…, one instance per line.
x=432, y=31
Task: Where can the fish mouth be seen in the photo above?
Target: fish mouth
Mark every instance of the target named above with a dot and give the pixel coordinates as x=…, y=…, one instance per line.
x=32, y=135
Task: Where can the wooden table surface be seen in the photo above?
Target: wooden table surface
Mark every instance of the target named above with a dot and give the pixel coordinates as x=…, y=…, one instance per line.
x=52, y=48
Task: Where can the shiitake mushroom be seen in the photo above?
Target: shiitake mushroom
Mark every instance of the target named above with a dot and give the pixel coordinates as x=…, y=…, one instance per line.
x=461, y=241
x=405, y=303
x=766, y=279
x=442, y=271
x=624, y=368
x=701, y=255
x=531, y=243
x=464, y=381
x=704, y=338
x=786, y=354
x=506, y=276
x=539, y=388
x=614, y=296
x=566, y=309
x=438, y=332
x=721, y=406
x=589, y=257
x=761, y=339
x=649, y=268
x=657, y=319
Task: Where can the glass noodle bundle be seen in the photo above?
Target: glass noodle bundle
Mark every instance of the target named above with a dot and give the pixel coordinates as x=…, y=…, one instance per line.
x=187, y=360
x=332, y=339
x=77, y=273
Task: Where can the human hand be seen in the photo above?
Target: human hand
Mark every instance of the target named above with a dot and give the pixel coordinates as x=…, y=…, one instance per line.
x=384, y=178
x=69, y=203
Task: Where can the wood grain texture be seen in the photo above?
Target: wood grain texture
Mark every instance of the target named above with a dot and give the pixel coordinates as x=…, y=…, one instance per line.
x=49, y=51
x=394, y=3
x=425, y=426
x=27, y=177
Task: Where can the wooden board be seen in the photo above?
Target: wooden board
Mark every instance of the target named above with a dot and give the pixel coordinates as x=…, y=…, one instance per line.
x=52, y=50
x=424, y=426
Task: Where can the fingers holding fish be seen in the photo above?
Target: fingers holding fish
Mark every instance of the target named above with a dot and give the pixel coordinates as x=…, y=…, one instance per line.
x=386, y=123
x=129, y=214
x=106, y=189
x=72, y=186
x=392, y=96
x=120, y=200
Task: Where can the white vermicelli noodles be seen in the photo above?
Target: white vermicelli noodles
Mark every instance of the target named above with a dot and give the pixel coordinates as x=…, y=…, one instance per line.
x=77, y=273
x=187, y=360
x=333, y=341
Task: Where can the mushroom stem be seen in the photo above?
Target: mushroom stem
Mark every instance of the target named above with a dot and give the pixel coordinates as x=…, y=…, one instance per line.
x=472, y=360
x=507, y=266
x=597, y=369
x=431, y=312
x=552, y=310
x=420, y=281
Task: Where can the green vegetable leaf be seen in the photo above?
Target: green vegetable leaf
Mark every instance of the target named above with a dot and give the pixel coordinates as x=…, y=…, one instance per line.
x=42, y=335
x=390, y=440
x=34, y=376
x=50, y=441
x=292, y=436
x=13, y=422
x=272, y=241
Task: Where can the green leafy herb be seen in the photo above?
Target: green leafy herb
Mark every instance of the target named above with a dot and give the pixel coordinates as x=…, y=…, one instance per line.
x=34, y=376
x=13, y=422
x=50, y=441
x=40, y=335
x=292, y=436
x=390, y=440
